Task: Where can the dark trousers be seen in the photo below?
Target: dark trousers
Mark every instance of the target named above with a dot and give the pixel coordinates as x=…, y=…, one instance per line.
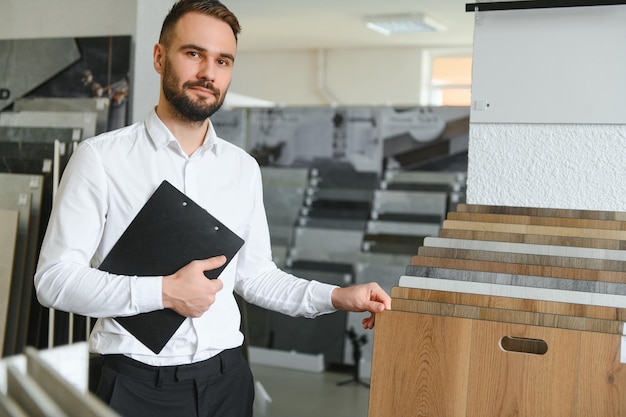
x=218, y=387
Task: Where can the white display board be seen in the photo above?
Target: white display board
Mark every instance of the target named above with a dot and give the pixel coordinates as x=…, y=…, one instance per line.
x=550, y=65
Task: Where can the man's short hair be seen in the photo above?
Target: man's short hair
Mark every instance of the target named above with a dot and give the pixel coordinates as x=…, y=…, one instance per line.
x=212, y=8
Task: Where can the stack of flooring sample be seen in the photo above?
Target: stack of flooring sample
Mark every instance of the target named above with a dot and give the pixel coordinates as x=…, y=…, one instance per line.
x=332, y=221
x=509, y=311
x=32, y=160
x=410, y=205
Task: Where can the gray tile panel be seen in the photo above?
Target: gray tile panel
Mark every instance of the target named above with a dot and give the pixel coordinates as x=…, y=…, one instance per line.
x=98, y=105
x=518, y=280
x=86, y=121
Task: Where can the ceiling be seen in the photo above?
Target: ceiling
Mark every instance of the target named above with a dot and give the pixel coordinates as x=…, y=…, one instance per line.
x=329, y=24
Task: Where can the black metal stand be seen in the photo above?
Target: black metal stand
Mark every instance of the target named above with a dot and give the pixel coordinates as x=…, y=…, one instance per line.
x=357, y=342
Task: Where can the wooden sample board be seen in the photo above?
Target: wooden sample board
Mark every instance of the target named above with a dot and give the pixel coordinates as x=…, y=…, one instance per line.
x=510, y=311
x=445, y=364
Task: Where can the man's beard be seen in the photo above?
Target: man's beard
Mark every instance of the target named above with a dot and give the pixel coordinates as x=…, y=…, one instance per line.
x=193, y=111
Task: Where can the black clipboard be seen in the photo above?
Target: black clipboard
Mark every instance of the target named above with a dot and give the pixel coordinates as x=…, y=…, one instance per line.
x=169, y=231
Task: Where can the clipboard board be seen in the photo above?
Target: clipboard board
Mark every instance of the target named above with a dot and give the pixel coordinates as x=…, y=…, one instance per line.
x=169, y=231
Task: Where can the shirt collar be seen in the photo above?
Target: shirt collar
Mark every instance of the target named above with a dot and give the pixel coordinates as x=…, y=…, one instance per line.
x=162, y=137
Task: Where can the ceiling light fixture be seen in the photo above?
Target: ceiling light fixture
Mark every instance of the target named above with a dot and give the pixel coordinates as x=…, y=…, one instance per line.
x=405, y=23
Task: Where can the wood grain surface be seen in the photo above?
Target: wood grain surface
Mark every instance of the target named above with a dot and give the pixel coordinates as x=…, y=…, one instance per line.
x=521, y=304
x=520, y=269
x=534, y=239
x=538, y=220
x=546, y=212
x=418, y=369
x=536, y=230
x=523, y=258
x=603, y=392
x=508, y=316
x=503, y=383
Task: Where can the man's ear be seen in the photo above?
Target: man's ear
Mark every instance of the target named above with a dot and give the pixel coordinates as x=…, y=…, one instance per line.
x=158, y=58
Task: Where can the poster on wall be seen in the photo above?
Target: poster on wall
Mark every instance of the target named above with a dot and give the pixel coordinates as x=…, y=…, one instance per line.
x=312, y=136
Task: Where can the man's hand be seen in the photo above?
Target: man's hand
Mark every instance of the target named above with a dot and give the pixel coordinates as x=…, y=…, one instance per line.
x=365, y=297
x=188, y=291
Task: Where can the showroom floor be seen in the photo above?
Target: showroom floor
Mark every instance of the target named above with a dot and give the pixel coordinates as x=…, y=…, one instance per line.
x=296, y=393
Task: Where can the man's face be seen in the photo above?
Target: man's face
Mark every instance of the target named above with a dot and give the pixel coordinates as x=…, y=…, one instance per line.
x=197, y=66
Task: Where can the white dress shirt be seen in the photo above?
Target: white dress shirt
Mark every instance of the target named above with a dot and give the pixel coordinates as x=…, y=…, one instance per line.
x=107, y=181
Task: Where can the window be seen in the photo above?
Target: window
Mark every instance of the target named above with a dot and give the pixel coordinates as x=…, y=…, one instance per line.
x=447, y=79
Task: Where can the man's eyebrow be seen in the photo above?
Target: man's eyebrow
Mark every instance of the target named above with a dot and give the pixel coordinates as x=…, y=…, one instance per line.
x=201, y=49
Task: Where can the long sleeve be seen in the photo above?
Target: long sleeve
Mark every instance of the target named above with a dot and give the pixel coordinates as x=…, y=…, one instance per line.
x=66, y=277
x=260, y=282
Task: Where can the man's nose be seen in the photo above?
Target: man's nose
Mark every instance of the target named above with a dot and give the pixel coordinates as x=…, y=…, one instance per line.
x=207, y=71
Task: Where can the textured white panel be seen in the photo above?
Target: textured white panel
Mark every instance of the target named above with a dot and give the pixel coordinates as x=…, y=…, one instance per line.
x=554, y=166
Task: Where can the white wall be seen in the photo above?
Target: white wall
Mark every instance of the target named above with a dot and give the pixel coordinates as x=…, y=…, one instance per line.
x=345, y=77
x=554, y=133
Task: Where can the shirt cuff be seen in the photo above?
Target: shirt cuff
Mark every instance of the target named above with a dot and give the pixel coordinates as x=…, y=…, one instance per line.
x=147, y=294
x=321, y=297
